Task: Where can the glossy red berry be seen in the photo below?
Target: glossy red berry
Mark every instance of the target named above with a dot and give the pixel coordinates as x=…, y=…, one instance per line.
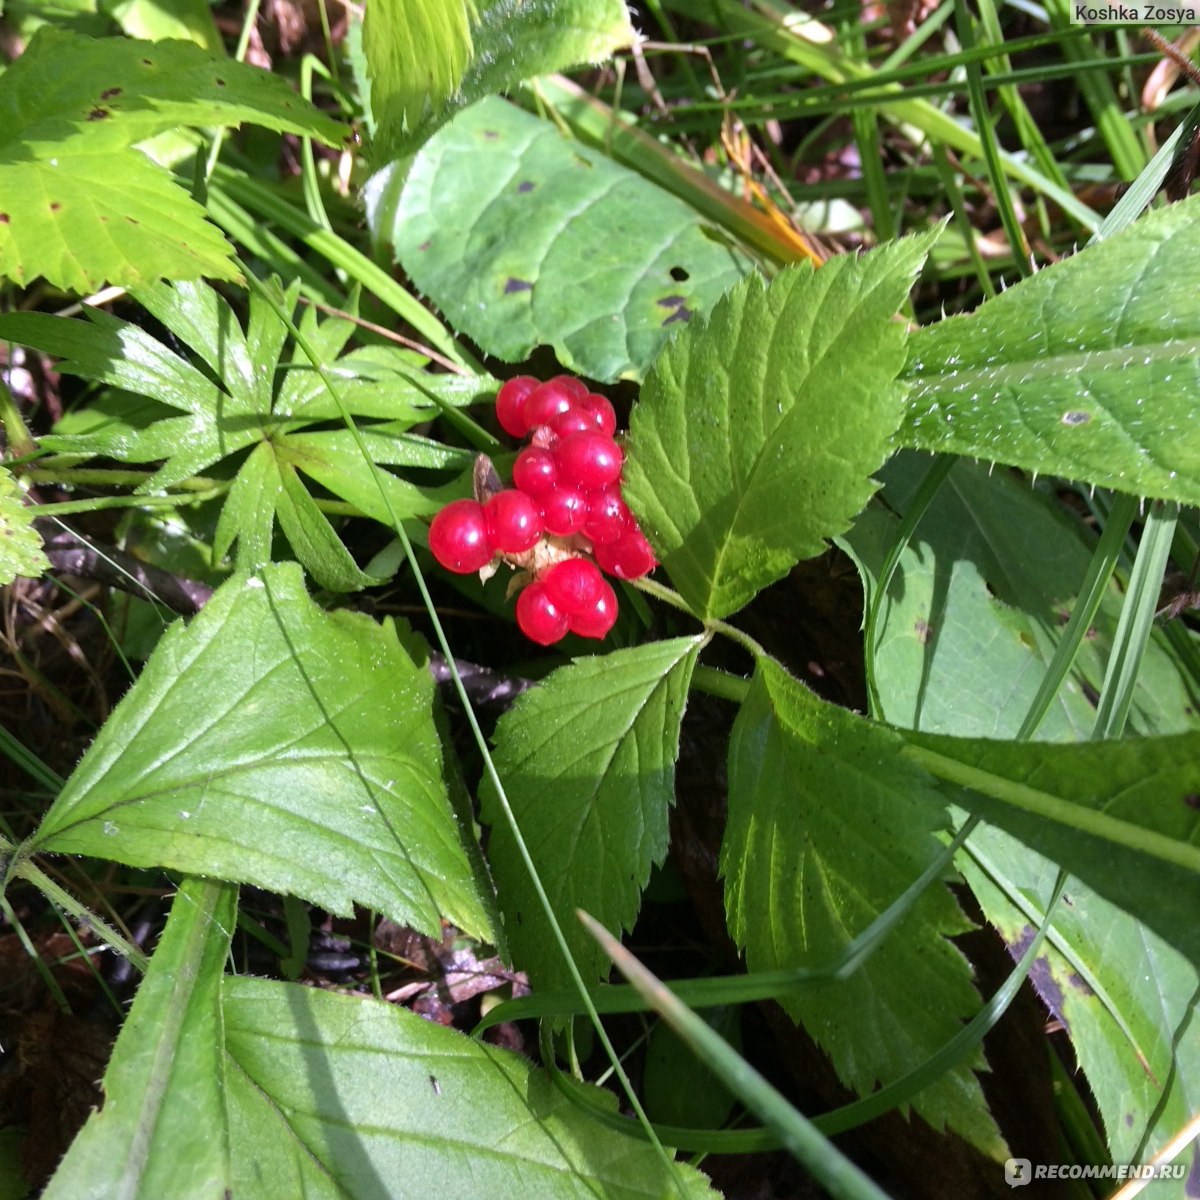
x=510, y=404
x=564, y=511
x=538, y=618
x=608, y=516
x=535, y=472
x=513, y=521
x=601, y=411
x=458, y=537
x=590, y=461
x=629, y=557
x=597, y=621
x=576, y=387
x=574, y=585
x=548, y=401
x=574, y=420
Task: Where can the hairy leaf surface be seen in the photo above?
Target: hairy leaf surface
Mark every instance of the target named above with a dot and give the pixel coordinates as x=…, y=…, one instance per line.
x=1087, y=369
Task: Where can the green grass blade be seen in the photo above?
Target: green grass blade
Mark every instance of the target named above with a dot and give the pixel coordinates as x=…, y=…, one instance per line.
x=832, y=1169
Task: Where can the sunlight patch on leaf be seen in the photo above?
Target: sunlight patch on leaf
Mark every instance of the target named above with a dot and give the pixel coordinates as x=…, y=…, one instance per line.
x=271, y=743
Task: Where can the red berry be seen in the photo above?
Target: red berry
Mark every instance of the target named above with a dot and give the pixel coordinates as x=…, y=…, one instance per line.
x=547, y=401
x=513, y=521
x=458, y=537
x=589, y=460
x=564, y=511
x=629, y=557
x=574, y=420
x=576, y=387
x=538, y=617
x=601, y=411
x=534, y=472
x=595, y=622
x=608, y=517
x=574, y=585
x=510, y=404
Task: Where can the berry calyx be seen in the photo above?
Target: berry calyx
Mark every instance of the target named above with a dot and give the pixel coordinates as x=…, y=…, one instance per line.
x=510, y=404
x=574, y=585
x=458, y=537
x=589, y=460
x=598, y=620
x=538, y=617
x=513, y=522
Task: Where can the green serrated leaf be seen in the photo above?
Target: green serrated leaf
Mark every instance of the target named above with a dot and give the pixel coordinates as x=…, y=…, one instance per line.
x=20, y=545
x=81, y=207
x=524, y=238
x=588, y=765
x=248, y=514
x=312, y=537
x=1124, y=995
x=336, y=1096
x=161, y=1134
x=272, y=743
x=1085, y=370
x=758, y=429
x=826, y=828
x=1123, y=816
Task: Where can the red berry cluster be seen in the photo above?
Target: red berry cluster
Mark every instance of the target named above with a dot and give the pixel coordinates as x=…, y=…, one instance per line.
x=562, y=521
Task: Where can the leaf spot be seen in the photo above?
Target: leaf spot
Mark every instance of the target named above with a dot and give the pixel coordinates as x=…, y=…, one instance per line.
x=681, y=313
x=109, y=93
x=1076, y=417
x=526, y=185
x=4, y=218
x=679, y=275
x=98, y=114
x=490, y=134
x=425, y=245
x=923, y=630
x=516, y=285
x=55, y=205
x=219, y=82
x=1192, y=800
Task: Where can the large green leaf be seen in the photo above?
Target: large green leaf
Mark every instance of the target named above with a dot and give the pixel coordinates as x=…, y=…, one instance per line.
x=20, y=546
x=587, y=760
x=1087, y=369
x=271, y=743
x=1126, y=997
x=827, y=826
x=161, y=1134
x=758, y=429
x=974, y=611
x=346, y=1098
x=1123, y=816
x=523, y=237
x=80, y=206
x=962, y=650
